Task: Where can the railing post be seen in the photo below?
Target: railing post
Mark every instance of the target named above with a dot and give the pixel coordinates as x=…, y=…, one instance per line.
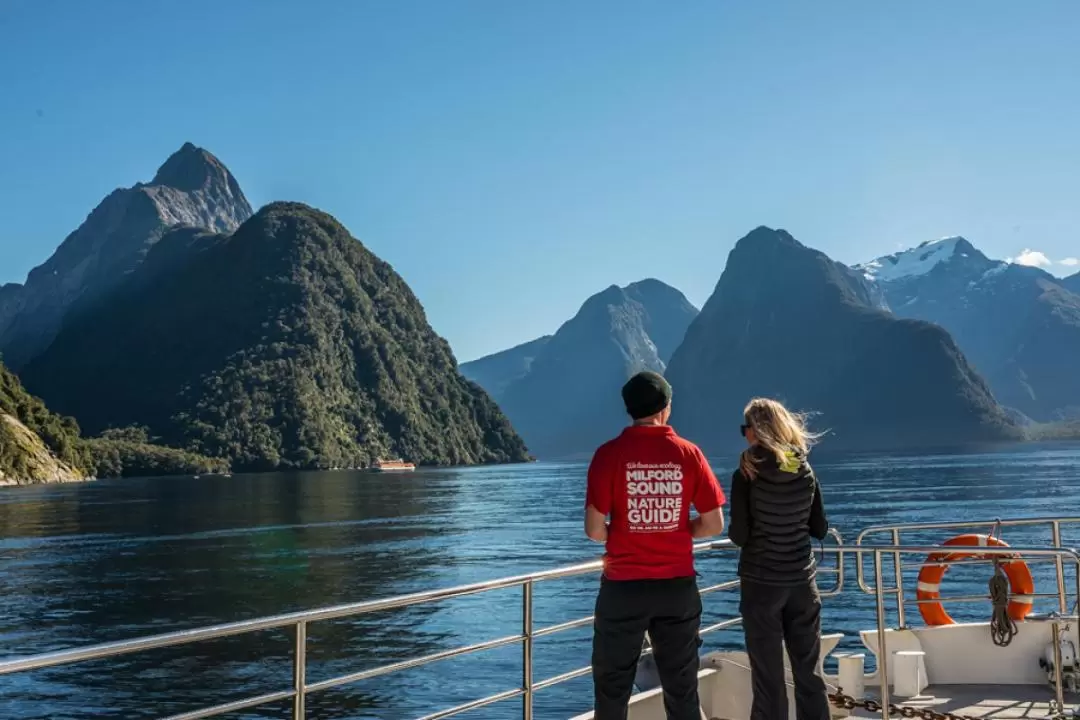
x=299, y=711
x=1063, y=601
x=527, y=649
x=883, y=653
x=899, y=581
x=1059, y=692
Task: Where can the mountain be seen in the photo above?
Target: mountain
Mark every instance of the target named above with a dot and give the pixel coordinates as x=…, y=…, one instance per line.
x=495, y=372
x=787, y=322
x=284, y=345
x=192, y=188
x=35, y=445
x=1071, y=283
x=568, y=401
x=1018, y=325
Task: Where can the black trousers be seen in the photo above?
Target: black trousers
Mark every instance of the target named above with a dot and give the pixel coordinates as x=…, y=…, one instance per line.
x=772, y=618
x=670, y=610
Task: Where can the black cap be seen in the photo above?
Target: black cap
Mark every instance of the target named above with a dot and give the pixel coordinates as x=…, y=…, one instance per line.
x=646, y=394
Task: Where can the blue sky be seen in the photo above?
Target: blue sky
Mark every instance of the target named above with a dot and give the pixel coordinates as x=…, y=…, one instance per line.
x=510, y=159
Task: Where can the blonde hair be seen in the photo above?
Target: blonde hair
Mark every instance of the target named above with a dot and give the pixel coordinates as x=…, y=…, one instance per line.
x=777, y=430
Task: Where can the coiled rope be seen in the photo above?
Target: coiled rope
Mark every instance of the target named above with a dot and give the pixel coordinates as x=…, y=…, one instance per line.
x=1002, y=627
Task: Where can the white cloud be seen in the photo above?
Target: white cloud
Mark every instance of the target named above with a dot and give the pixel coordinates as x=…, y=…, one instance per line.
x=1031, y=258
x=1070, y=262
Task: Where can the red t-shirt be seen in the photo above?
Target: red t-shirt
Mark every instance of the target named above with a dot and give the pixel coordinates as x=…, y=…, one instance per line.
x=646, y=479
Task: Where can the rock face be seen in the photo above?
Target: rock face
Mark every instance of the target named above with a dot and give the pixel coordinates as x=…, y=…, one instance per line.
x=568, y=402
x=36, y=446
x=192, y=188
x=787, y=322
x=496, y=372
x=1019, y=326
x=22, y=449
x=284, y=345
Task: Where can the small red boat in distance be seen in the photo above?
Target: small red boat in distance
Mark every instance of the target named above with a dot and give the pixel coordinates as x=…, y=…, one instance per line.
x=393, y=466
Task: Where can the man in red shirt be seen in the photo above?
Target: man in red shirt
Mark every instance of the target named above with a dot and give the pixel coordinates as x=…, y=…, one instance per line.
x=646, y=480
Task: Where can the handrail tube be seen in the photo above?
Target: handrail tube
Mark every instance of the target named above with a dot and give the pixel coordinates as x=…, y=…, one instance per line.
x=883, y=654
x=972, y=561
x=896, y=529
x=569, y=625
x=722, y=625
x=234, y=706
x=413, y=662
x=959, y=524
x=565, y=677
x=474, y=704
x=300, y=672
x=1018, y=550
x=726, y=585
x=1055, y=534
x=527, y=649
x=971, y=598
x=899, y=582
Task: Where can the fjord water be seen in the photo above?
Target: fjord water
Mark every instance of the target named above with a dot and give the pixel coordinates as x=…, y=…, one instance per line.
x=104, y=561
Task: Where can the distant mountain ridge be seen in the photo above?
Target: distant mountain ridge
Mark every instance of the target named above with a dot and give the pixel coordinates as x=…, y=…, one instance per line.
x=1072, y=283
x=785, y=321
x=191, y=188
x=496, y=371
x=1019, y=325
x=286, y=344
x=568, y=399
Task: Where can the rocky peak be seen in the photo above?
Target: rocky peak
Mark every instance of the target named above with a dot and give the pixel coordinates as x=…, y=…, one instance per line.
x=192, y=188
x=793, y=267
x=192, y=168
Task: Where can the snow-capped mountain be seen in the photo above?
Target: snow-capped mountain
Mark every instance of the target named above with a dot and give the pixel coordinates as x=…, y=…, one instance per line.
x=1019, y=325
x=919, y=261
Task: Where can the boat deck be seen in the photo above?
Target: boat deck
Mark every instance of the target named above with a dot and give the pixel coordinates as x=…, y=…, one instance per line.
x=984, y=701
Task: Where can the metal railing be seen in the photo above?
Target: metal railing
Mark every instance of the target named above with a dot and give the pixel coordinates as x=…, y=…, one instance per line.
x=299, y=622
x=1057, y=554
x=893, y=532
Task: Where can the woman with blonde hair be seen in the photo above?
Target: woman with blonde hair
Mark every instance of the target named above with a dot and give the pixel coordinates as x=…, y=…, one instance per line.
x=776, y=509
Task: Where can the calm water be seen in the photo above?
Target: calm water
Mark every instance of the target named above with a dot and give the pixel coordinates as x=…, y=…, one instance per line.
x=110, y=560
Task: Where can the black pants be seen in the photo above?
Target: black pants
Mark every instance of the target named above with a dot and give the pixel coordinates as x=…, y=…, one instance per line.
x=670, y=610
x=774, y=617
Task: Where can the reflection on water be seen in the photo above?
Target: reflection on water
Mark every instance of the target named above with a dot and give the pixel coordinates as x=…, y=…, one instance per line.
x=98, y=562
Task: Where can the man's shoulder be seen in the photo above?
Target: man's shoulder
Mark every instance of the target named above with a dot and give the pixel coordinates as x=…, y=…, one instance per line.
x=685, y=445
x=607, y=449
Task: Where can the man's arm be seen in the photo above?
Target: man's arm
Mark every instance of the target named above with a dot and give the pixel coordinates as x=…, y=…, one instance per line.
x=708, y=525
x=598, y=497
x=708, y=501
x=595, y=525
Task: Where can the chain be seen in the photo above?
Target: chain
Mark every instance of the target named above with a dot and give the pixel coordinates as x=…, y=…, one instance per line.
x=846, y=702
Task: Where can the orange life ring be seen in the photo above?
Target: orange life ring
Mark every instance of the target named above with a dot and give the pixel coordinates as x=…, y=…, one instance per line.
x=1021, y=585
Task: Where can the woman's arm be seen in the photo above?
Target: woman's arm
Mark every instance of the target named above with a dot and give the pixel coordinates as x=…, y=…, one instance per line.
x=819, y=524
x=739, y=530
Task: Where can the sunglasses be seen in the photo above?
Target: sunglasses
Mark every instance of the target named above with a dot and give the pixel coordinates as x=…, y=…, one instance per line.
x=743, y=429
